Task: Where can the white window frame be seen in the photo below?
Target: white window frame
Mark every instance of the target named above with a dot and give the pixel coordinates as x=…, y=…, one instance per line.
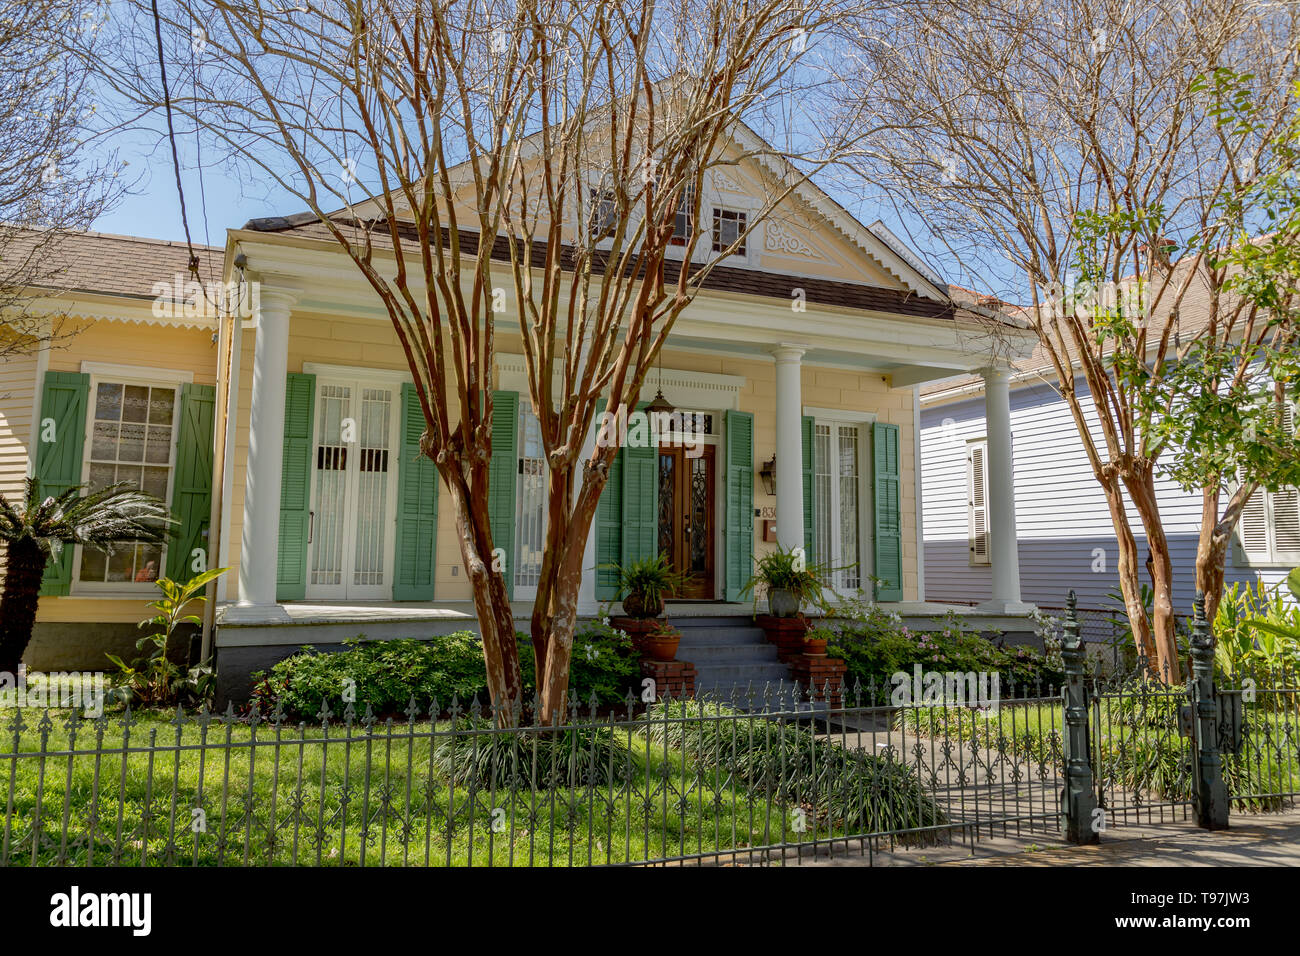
x=972, y=511
x=526, y=591
x=150, y=377
x=716, y=210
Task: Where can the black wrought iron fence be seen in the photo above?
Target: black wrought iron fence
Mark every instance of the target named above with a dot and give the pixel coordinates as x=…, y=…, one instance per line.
x=748, y=778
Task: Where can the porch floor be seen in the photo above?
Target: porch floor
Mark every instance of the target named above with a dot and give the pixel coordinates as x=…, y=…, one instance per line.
x=445, y=616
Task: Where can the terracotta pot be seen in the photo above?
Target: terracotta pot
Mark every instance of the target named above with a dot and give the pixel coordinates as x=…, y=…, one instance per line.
x=639, y=606
x=661, y=647
x=782, y=603
x=814, y=648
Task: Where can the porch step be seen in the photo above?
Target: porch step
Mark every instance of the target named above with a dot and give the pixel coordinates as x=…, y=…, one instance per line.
x=733, y=652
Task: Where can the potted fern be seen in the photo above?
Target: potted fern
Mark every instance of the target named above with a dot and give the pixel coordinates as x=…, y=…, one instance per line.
x=789, y=581
x=645, y=582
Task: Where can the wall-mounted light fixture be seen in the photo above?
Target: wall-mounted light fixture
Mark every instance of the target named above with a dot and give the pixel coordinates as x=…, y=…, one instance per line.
x=767, y=475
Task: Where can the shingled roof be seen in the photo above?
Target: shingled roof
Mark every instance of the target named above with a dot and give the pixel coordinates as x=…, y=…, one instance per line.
x=107, y=264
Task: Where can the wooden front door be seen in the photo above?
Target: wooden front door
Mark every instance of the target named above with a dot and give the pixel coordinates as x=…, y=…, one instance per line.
x=686, y=515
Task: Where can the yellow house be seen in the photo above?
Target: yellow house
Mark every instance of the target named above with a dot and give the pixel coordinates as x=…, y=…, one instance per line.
x=796, y=372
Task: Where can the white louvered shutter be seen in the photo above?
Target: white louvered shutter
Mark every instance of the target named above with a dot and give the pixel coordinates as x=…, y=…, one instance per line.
x=977, y=481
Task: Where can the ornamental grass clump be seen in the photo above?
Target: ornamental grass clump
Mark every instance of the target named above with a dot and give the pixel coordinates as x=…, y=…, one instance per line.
x=843, y=789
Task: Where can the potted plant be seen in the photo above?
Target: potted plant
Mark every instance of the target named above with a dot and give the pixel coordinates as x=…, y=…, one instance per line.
x=789, y=581
x=644, y=583
x=815, y=641
x=661, y=643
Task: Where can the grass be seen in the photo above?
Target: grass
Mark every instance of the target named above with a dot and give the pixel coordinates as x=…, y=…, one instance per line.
x=226, y=793
x=1138, y=741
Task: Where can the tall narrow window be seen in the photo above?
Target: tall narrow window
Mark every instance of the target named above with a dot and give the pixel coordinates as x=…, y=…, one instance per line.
x=977, y=501
x=837, y=475
x=131, y=440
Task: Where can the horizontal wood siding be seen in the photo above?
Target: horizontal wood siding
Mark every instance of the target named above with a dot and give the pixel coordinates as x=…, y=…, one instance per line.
x=1061, y=514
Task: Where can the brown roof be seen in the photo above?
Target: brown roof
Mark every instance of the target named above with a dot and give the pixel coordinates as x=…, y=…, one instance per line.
x=721, y=278
x=108, y=264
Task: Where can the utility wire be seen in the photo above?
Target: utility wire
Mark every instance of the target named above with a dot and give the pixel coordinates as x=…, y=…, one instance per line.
x=171, y=136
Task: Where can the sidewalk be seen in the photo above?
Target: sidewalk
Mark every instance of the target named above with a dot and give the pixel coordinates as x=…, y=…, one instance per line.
x=1265, y=839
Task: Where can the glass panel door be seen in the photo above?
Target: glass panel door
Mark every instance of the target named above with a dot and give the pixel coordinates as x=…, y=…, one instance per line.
x=353, y=493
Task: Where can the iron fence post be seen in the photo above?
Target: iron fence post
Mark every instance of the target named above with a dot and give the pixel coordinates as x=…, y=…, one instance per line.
x=1078, y=797
x=1210, y=793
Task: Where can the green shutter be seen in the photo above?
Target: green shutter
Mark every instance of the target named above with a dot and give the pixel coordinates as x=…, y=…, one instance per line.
x=739, y=507
x=59, y=459
x=295, y=488
x=640, y=498
x=609, y=532
x=809, y=489
x=502, y=471
x=417, y=507
x=192, y=483
x=889, y=537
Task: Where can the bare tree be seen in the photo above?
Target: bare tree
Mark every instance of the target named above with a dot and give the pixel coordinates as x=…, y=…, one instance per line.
x=48, y=186
x=485, y=152
x=1070, y=142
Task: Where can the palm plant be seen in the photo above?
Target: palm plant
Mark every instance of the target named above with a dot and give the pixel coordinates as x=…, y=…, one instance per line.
x=38, y=528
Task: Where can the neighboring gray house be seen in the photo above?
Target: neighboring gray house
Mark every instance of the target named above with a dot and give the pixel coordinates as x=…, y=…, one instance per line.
x=1064, y=536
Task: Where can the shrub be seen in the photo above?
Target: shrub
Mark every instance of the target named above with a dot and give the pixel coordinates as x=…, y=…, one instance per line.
x=388, y=674
x=875, y=644
x=385, y=675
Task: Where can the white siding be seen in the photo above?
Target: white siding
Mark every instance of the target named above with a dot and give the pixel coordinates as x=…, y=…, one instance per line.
x=17, y=394
x=1062, y=521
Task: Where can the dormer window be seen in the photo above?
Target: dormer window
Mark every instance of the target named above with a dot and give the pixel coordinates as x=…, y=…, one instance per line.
x=728, y=227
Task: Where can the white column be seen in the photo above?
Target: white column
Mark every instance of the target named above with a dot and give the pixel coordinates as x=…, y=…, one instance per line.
x=1003, y=548
x=789, y=447
x=224, y=583
x=259, y=542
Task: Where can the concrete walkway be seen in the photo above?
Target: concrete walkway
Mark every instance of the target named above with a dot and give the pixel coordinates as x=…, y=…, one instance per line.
x=1265, y=839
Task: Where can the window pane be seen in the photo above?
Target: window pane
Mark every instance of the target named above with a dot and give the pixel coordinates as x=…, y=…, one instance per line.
x=103, y=441
x=148, y=559
x=101, y=476
x=108, y=401
x=155, y=481
x=161, y=405
x=135, y=405
x=130, y=445
x=93, y=565
x=121, y=565
x=159, y=449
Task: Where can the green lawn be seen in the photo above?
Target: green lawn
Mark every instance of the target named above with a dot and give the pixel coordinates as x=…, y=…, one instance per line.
x=311, y=803
x=1138, y=742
